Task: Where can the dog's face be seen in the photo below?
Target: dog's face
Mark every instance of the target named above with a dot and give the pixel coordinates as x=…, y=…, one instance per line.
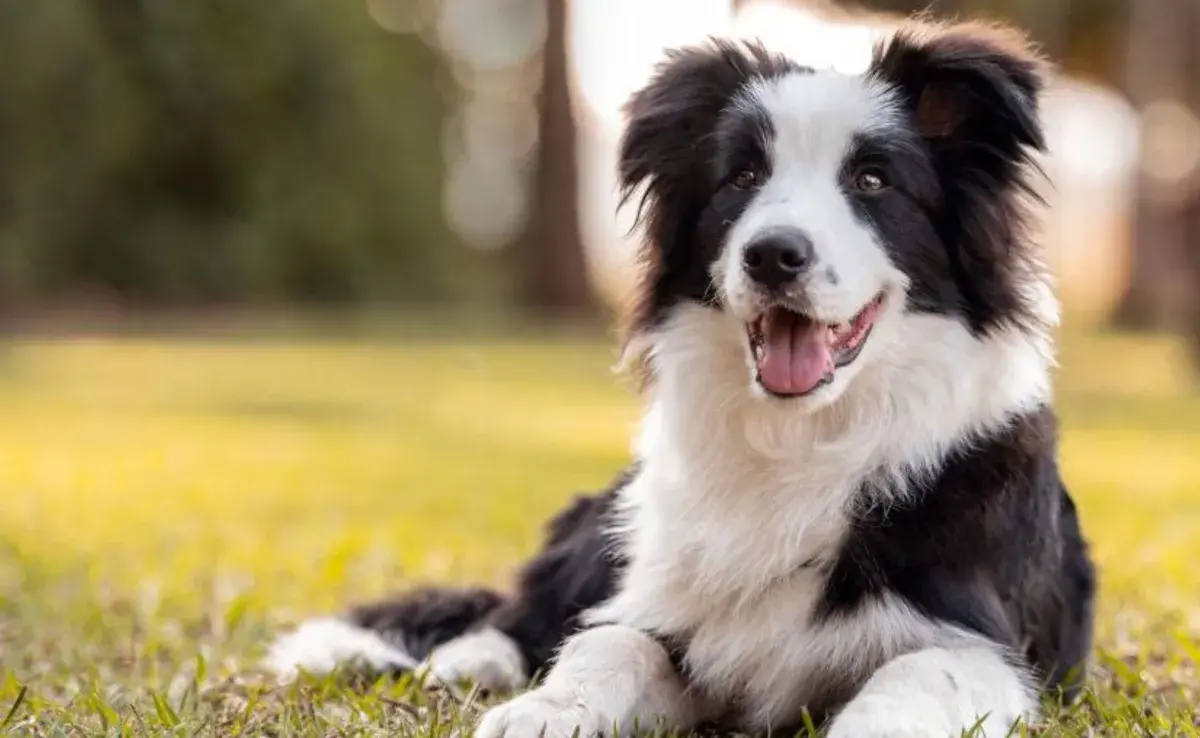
x=815, y=210
x=808, y=165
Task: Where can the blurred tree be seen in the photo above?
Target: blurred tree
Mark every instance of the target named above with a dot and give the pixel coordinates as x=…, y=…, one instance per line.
x=1192, y=208
x=223, y=150
x=551, y=257
x=1159, y=35
x=1084, y=37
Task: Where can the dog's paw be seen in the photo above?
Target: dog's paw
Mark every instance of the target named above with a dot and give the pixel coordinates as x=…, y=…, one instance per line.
x=487, y=658
x=867, y=718
x=541, y=713
x=915, y=718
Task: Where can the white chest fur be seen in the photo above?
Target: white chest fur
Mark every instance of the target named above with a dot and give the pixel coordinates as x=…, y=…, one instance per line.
x=727, y=558
x=738, y=498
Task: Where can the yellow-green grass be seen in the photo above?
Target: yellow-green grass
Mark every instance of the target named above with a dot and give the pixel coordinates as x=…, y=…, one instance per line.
x=167, y=503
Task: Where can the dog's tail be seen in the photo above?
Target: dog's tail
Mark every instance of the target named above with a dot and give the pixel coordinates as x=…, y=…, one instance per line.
x=393, y=636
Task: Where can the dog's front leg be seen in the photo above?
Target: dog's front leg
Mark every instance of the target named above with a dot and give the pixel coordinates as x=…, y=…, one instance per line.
x=608, y=680
x=940, y=693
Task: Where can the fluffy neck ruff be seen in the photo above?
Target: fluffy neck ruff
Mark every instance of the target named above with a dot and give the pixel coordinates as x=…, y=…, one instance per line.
x=929, y=384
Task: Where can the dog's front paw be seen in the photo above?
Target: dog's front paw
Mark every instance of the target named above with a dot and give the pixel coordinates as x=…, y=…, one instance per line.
x=880, y=718
x=541, y=713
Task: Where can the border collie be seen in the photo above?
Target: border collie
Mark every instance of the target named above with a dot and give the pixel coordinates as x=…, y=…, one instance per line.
x=845, y=503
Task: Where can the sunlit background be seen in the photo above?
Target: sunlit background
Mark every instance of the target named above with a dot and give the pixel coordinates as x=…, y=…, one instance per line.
x=304, y=301
x=424, y=152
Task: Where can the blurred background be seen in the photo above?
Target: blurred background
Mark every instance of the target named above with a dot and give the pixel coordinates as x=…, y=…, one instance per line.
x=304, y=301
x=218, y=155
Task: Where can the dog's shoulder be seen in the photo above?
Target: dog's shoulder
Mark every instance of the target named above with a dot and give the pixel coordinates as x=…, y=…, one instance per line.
x=990, y=543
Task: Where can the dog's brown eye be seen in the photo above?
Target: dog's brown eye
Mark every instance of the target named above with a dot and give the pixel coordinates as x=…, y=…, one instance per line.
x=746, y=179
x=869, y=180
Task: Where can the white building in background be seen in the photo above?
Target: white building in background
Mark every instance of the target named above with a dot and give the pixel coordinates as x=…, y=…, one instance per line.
x=1092, y=132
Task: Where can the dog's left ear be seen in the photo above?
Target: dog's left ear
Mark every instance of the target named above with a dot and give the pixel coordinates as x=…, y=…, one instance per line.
x=966, y=83
x=972, y=92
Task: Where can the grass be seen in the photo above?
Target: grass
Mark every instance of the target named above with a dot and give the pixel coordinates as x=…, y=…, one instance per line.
x=167, y=504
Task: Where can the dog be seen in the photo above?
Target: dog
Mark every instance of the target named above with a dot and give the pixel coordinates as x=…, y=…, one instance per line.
x=845, y=506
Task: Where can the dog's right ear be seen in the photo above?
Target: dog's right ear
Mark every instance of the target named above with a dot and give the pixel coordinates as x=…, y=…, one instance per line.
x=667, y=154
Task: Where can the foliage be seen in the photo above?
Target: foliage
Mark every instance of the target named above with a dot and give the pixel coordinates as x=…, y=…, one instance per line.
x=170, y=503
x=219, y=150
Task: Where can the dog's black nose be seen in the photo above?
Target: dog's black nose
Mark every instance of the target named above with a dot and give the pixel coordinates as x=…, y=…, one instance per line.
x=777, y=257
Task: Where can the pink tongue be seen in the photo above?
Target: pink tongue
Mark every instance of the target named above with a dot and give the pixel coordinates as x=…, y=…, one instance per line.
x=796, y=354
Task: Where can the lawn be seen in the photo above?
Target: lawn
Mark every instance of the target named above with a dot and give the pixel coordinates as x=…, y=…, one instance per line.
x=166, y=504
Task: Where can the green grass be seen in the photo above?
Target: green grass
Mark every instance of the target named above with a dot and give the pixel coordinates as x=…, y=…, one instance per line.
x=165, y=505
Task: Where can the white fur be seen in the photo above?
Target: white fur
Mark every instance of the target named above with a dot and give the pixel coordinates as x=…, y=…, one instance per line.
x=321, y=645
x=940, y=692
x=486, y=657
x=607, y=680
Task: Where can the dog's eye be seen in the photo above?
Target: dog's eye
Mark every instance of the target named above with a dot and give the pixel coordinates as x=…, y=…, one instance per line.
x=746, y=179
x=869, y=180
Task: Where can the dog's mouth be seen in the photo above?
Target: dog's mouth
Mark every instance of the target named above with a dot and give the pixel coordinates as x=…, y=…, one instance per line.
x=795, y=355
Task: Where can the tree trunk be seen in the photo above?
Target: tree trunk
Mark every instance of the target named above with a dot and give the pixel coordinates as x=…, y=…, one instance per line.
x=1048, y=25
x=1192, y=209
x=555, y=280
x=1155, y=71
x=1193, y=253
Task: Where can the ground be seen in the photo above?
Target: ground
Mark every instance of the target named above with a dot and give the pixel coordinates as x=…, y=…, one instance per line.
x=169, y=503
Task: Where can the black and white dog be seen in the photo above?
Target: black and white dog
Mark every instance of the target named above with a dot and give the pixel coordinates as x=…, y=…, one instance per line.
x=845, y=498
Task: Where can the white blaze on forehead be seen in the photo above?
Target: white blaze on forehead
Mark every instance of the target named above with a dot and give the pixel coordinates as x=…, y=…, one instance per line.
x=816, y=116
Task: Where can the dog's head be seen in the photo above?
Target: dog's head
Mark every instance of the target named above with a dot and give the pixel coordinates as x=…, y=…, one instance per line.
x=812, y=213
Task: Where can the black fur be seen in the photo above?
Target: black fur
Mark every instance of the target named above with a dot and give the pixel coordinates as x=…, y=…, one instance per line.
x=419, y=620
x=992, y=544
x=575, y=569
x=982, y=88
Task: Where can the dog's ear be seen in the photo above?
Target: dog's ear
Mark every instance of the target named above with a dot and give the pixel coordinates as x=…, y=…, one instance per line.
x=669, y=121
x=972, y=93
x=967, y=82
x=667, y=153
